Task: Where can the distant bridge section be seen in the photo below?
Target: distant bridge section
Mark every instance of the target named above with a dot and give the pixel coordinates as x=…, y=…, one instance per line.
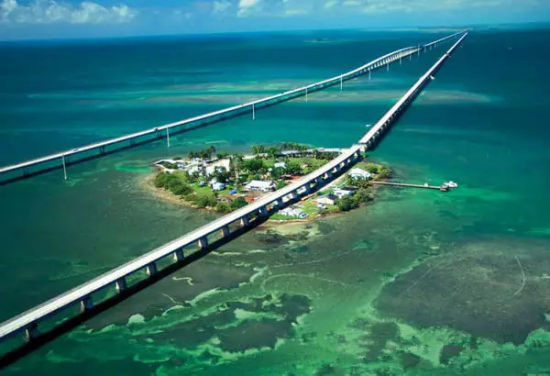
x=62, y=159
x=369, y=139
x=207, y=237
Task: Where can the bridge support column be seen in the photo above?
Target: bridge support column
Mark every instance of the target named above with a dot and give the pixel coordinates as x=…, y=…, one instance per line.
x=203, y=242
x=253, y=112
x=64, y=167
x=244, y=221
x=86, y=304
x=120, y=285
x=263, y=212
x=151, y=269
x=31, y=332
x=178, y=255
x=225, y=231
x=167, y=137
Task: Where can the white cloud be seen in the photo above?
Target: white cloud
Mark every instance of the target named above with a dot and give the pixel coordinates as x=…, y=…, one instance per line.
x=295, y=12
x=330, y=4
x=51, y=11
x=248, y=7
x=220, y=6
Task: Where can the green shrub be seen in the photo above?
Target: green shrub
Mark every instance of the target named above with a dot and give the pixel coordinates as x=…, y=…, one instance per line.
x=202, y=200
x=222, y=207
x=346, y=203
x=160, y=179
x=237, y=203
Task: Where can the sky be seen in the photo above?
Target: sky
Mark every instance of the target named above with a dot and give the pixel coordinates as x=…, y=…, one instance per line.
x=45, y=19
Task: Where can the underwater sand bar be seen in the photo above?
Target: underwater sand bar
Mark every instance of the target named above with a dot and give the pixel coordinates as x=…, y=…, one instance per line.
x=257, y=211
x=63, y=159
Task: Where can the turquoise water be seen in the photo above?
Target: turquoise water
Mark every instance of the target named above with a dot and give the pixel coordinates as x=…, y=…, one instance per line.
x=419, y=282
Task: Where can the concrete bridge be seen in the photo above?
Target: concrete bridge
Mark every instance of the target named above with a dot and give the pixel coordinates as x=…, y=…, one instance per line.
x=175, y=253
x=63, y=159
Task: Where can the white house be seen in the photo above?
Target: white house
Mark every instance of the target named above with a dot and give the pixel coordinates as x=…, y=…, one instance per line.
x=217, y=186
x=280, y=165
x=359, y=173
x=222, y=163
x=293, y=212
x=260, y=185
x=338, y=192
x=325, y=200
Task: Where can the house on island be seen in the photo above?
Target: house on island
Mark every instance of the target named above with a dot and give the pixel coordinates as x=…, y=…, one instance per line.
x=260, y=185
x=217, y=186
x=359, y=174
x=340, y=193
x=218, y=165
x=293, y=212
x=327, y=200
x=280, y=165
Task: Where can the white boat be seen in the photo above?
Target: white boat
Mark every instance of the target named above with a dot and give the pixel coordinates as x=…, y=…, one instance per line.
x=451, y=184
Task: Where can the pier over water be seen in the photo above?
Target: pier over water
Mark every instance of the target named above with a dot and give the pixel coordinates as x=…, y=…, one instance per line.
x=119, y=283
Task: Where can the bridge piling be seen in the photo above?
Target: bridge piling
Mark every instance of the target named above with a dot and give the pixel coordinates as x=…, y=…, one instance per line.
x=244, y=221
x=64, y=167
x=178, y=255
x=120, y=285
x=151, y=269
x=31, y=332
x=203, y=242
x=86, y=304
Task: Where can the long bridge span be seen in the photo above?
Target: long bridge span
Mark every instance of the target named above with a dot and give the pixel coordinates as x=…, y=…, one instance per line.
x=121, y=281
x=62, y=159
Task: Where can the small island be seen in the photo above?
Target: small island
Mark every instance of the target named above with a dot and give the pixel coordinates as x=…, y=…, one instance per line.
x=225, y=182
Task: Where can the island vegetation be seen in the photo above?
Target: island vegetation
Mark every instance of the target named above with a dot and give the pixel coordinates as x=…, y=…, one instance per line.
x=225, y=182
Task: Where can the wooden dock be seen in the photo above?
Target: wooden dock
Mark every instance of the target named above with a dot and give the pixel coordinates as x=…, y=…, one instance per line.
x=442, y=187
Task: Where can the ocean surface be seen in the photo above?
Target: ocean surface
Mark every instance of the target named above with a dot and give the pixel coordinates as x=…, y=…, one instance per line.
x=419, y=282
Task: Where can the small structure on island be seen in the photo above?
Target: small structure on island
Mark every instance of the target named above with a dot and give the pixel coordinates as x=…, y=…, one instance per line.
x=359, y=174
x=340, y=193
x=260, y=185
x=293, y=212
x=327, y=200
x=222, y=164
x=218, y=186
x=280, y=165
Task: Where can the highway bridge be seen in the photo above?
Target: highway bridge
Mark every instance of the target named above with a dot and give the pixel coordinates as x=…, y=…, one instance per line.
x=203, y=239
x=63, y=159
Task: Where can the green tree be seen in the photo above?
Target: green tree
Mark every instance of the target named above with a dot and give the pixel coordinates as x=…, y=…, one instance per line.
x=280, y=184
x=293, y=167
x=384, y=172
x=346, y=203
x=254, y=165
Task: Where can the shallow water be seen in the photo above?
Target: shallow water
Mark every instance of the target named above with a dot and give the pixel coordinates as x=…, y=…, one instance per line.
x=419, y=282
